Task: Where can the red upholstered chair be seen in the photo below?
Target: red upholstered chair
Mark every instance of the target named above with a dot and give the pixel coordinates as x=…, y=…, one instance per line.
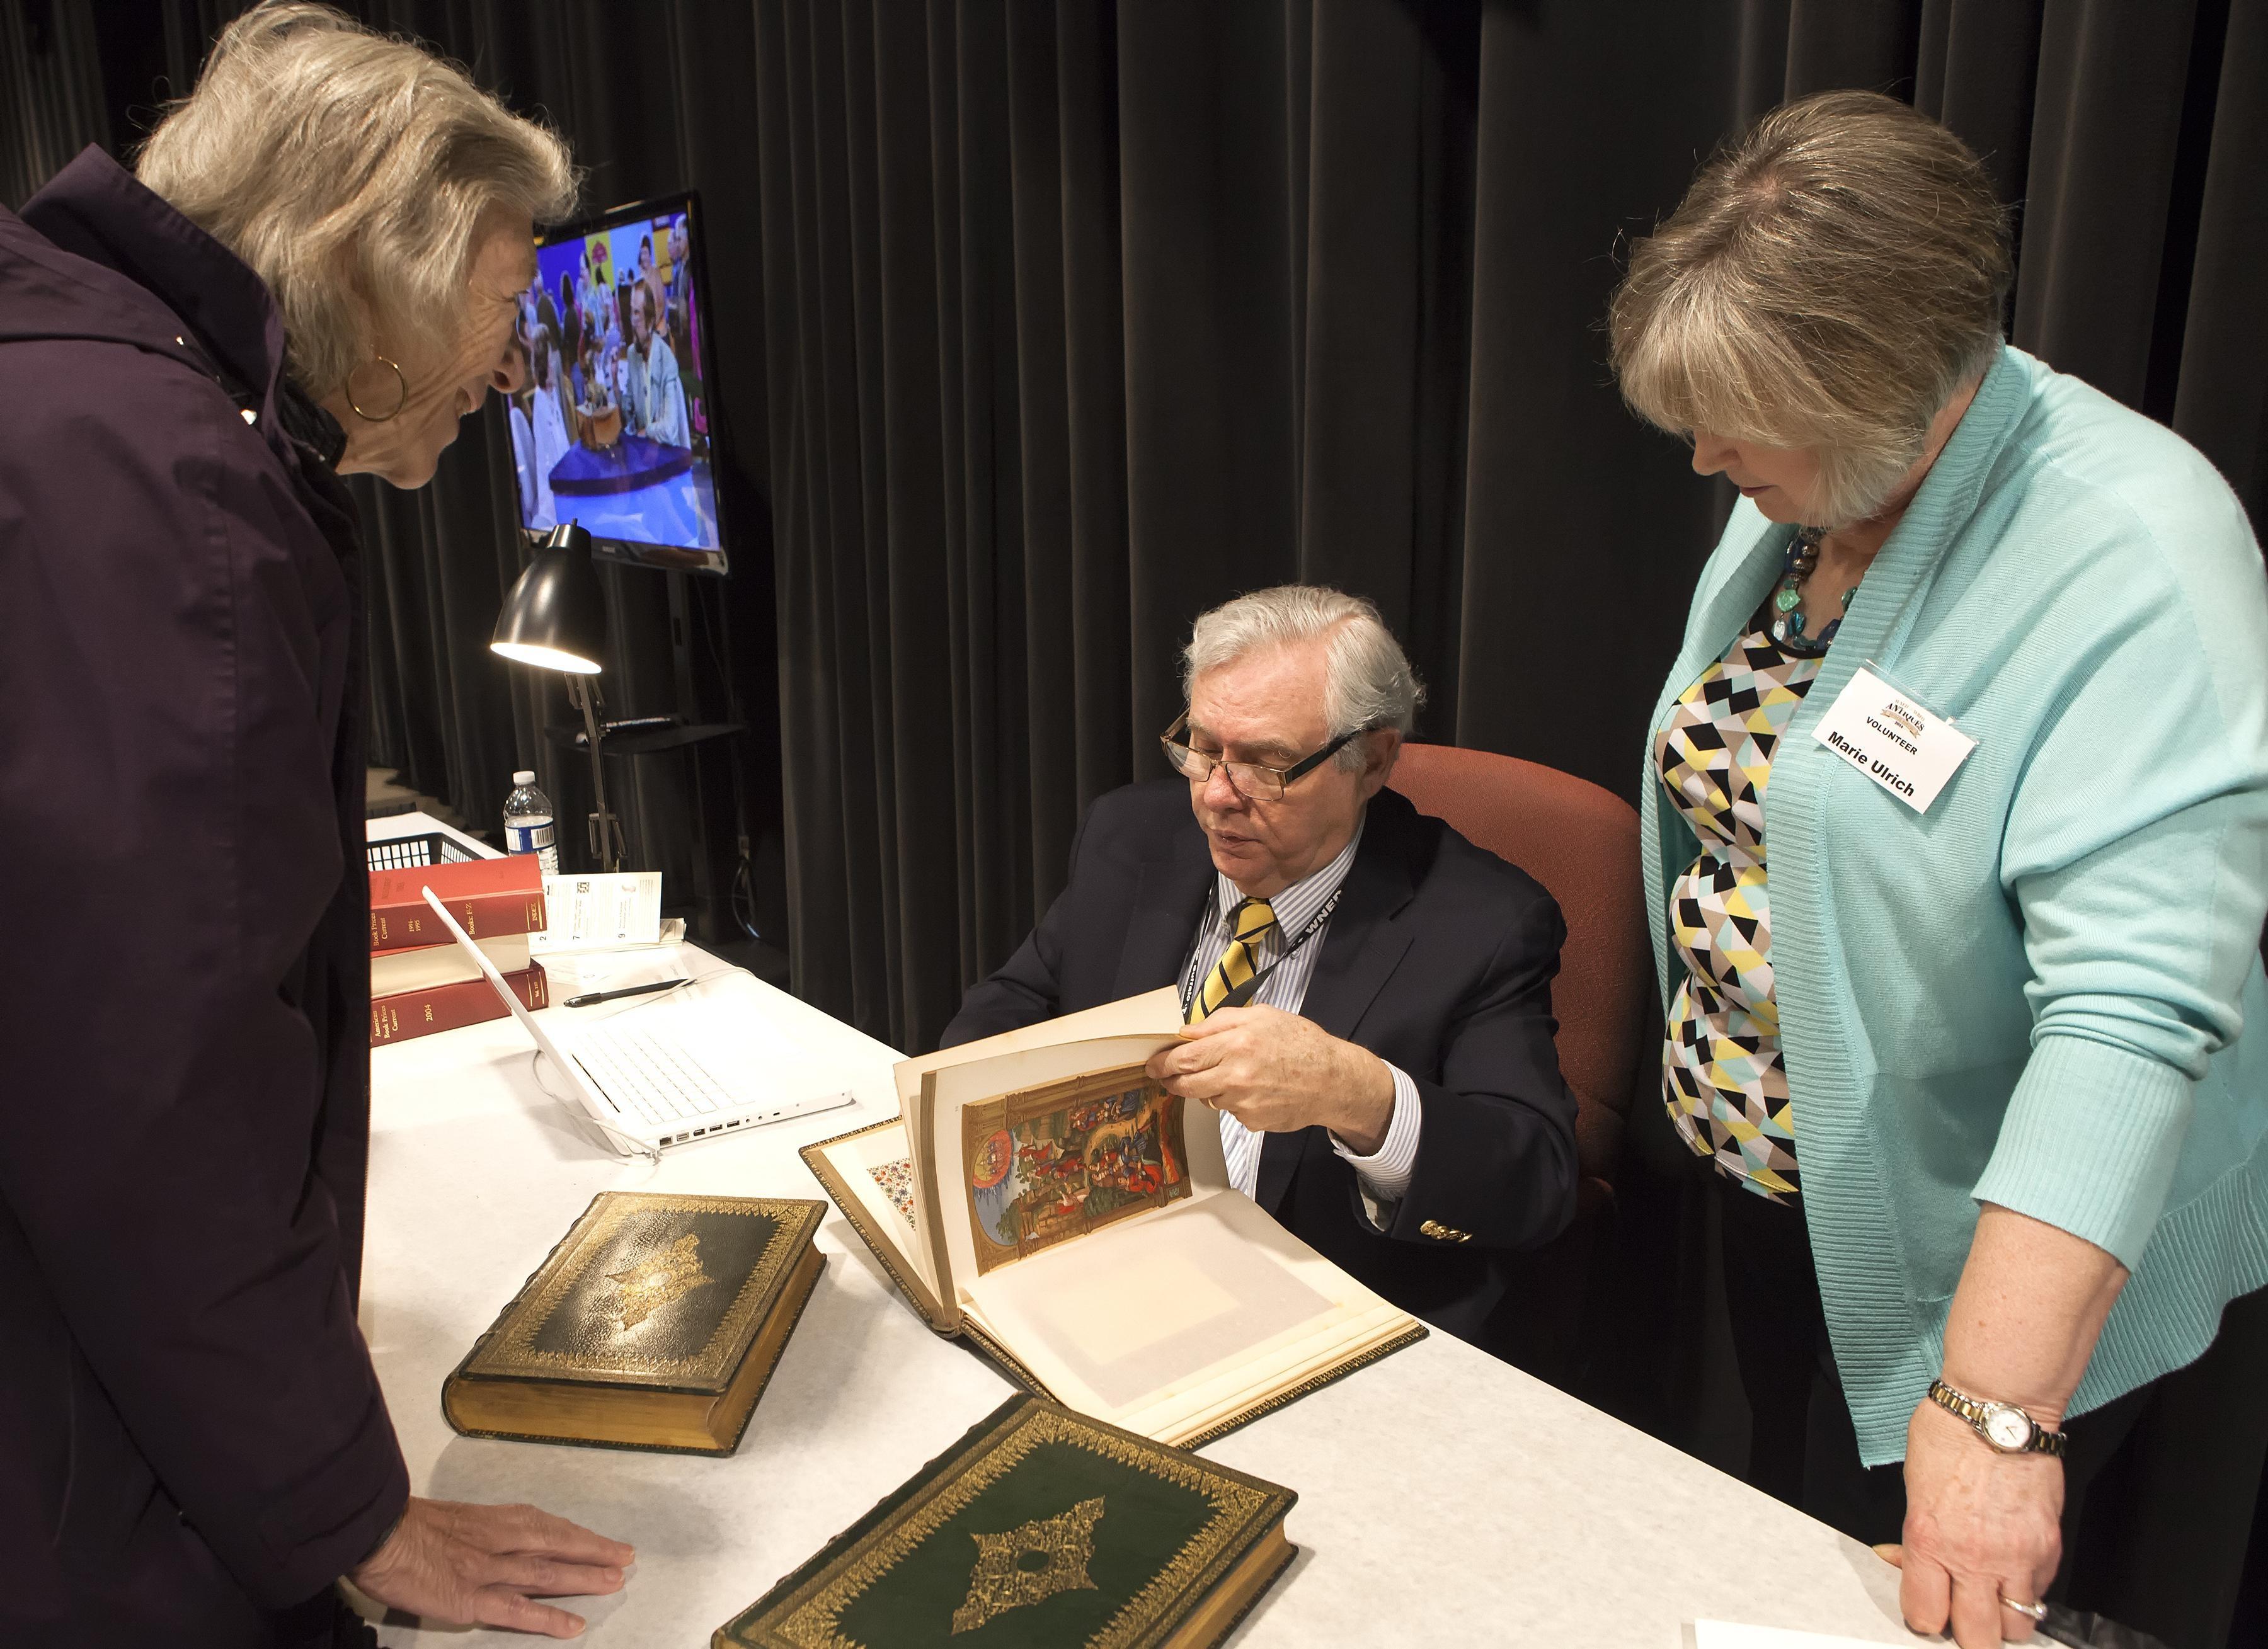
x=1582, y=843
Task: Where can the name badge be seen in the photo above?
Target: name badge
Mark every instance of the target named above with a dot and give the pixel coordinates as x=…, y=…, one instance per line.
x=1892, y=741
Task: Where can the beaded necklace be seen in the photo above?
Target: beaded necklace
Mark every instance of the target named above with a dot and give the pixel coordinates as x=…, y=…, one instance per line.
x=1788, y=627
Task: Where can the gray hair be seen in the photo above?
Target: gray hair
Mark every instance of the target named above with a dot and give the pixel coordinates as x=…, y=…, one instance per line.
x=1828, y=282
x=1367, y=681
x=351, y=172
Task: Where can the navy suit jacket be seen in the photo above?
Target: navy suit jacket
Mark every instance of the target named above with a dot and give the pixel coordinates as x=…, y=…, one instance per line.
x=1438, y=959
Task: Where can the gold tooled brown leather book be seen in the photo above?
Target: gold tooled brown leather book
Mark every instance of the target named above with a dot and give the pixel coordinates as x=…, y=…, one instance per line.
x=654, y=1324
x=1040, y=1529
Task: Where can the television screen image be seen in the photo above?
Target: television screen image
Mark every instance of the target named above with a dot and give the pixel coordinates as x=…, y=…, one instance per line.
x=611, y=427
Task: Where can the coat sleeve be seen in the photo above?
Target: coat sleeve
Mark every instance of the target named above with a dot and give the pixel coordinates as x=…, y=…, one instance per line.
x=2137, y=850
x=1496, y=1152
x=172, y=842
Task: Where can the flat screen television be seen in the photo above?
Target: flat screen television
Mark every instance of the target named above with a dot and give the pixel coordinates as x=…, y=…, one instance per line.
x=613, y=426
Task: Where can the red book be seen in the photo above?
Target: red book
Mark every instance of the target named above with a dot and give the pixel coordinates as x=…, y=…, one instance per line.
x=448, y=1007
x=490, y=897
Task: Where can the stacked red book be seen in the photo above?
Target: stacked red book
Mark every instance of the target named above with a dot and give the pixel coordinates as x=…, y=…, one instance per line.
x=421, y=981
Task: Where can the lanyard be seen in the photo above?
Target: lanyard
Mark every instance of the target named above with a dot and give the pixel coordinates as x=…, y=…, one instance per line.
x=1244, y=993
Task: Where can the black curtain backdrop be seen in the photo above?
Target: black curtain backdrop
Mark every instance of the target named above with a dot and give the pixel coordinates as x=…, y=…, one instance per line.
x=1082, y=317
x=1043, y=326
x=51, y=94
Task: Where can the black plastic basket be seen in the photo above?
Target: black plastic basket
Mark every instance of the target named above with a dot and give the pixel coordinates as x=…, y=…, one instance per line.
x=409, y=853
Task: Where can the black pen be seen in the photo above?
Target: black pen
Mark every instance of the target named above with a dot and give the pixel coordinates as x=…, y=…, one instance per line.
x=627, y=991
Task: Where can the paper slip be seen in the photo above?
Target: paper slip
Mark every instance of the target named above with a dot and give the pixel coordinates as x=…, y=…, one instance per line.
x=598, y=913
x=1716, y=1634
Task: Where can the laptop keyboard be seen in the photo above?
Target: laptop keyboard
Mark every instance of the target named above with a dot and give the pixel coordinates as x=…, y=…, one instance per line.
x=660, y=1083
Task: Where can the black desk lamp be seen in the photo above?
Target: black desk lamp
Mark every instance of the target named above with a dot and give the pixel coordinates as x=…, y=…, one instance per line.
x=556, y=619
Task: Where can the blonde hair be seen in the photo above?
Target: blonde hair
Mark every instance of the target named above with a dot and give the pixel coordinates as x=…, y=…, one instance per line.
x=1828, y=282
x=351, y=172
x=1367, y=681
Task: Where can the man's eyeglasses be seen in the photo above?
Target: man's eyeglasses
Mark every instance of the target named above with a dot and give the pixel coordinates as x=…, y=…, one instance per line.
x=1265, y=783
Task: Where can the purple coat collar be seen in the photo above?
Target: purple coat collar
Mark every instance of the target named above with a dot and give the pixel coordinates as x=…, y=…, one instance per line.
x=96, y=254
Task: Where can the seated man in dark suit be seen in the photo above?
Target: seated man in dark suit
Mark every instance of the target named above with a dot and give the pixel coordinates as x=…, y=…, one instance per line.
x=1368, y=993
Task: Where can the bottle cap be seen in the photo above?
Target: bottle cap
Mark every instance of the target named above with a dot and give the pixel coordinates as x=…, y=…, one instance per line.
x=523, y=776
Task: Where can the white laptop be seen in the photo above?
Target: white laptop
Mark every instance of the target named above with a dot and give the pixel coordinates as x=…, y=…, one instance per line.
x=656, y=1079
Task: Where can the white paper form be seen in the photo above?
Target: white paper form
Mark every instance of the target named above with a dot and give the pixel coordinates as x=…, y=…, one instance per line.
x=1716, y=1634
x=598, y=913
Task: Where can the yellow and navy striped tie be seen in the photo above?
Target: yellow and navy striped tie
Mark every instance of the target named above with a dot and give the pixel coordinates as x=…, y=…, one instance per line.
x=1251, y=922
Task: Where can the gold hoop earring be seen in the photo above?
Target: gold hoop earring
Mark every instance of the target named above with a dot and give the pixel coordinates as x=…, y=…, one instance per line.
x=401, y=401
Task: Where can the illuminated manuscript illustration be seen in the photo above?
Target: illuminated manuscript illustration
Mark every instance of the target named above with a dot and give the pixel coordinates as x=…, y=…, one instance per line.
x=1054, y=1163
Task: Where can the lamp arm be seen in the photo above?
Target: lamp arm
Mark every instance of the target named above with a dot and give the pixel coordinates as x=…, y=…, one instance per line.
x=606, y=844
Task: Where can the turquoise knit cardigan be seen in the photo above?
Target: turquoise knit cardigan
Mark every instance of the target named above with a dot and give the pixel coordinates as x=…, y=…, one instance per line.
x=2045, y=992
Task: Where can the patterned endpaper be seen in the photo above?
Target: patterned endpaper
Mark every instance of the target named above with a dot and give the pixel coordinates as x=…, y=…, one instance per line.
x=1040, y=1529
x=896, y=1180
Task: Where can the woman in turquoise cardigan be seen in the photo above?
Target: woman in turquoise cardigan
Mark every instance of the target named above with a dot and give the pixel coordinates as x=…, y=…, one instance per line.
x=1955, y=836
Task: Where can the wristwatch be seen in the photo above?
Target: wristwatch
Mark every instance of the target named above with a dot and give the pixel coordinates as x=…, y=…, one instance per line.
x=2002, y=1425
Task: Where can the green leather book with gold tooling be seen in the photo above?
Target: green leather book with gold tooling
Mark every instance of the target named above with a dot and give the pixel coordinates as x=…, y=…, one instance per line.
x=654, y=1324
x=1039, y=1529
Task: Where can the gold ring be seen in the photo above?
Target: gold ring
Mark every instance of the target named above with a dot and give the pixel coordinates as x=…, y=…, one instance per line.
x=2030, y=1611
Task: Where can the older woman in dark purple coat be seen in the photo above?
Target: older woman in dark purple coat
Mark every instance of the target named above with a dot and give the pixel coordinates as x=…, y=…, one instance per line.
x=312, y=275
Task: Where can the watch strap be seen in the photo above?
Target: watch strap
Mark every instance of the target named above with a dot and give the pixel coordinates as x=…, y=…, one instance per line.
x=2042, y=1440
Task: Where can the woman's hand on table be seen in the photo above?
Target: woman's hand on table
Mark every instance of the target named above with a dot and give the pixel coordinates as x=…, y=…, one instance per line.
x=485, y=1565
x=1980, y=1526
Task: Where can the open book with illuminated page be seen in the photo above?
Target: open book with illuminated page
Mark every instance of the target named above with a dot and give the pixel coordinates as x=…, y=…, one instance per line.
x=1038, y=1193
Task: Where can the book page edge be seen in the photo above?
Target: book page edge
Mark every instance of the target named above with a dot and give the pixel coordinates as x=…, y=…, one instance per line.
x=901, y=1266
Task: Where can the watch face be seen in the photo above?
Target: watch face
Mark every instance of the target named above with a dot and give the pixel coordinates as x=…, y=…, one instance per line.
x=2007, y=1428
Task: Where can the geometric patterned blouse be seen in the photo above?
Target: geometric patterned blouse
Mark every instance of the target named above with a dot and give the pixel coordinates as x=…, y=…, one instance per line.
x=1721, y=1075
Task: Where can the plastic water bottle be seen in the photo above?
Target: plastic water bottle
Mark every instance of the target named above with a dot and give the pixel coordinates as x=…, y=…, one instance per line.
x=527, y=823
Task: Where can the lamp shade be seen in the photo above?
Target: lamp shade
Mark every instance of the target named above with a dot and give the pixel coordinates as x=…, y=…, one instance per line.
x=556, y=616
